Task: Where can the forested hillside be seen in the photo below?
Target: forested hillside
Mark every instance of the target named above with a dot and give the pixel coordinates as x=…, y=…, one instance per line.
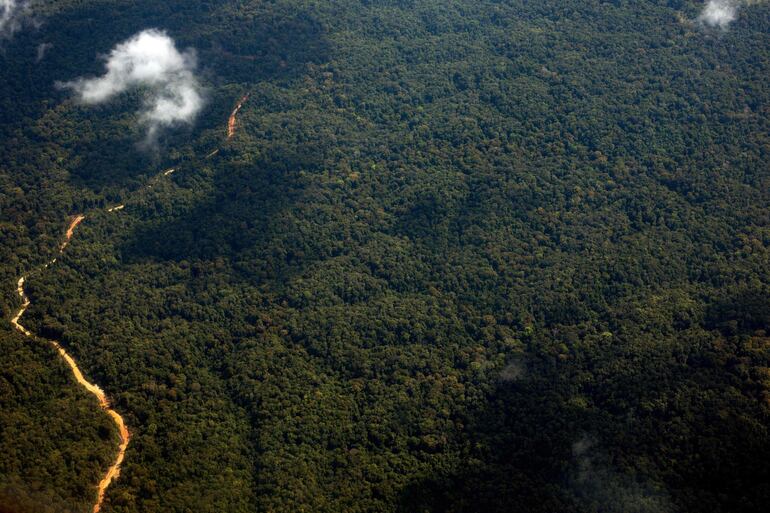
x=458, y=256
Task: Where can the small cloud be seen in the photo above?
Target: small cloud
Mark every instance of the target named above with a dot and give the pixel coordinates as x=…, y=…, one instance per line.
x=151, y=61
x=581, y=447
x=719, y=13
x=514, y=371
x=596, y=481
x=42, y=49
x=12, y=14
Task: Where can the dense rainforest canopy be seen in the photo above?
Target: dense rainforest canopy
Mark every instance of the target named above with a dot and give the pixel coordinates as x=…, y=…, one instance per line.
x=459, y=256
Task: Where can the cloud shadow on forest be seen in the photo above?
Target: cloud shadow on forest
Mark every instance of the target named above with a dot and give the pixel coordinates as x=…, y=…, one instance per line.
x=532, y=448
x=519, y=449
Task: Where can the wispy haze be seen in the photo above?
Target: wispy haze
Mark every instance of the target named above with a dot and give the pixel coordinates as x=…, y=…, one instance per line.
x=597, y=482
x=11, y=14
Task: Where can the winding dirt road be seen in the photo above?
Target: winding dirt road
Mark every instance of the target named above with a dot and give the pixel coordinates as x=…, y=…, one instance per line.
x=232, y=120
x=104, y=403
x=114, y=471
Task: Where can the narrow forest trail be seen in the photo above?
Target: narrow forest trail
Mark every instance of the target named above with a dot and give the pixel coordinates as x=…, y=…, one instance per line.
x=104, y=403
x=125, y=436
x=233, y=117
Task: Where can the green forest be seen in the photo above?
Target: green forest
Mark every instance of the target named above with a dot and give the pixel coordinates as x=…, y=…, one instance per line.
x=459, y=256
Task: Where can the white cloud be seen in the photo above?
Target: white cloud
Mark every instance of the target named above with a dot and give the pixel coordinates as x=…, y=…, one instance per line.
x=148, y=60
x=719, y=13
x=12, y=12
x=42, y=49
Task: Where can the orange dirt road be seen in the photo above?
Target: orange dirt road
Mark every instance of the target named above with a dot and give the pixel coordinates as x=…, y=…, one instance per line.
x=231, y=121
x=114, y=470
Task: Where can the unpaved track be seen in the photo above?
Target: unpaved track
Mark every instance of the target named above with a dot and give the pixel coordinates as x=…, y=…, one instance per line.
x=114, y=471
x=104, y=403
x=233, y=117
